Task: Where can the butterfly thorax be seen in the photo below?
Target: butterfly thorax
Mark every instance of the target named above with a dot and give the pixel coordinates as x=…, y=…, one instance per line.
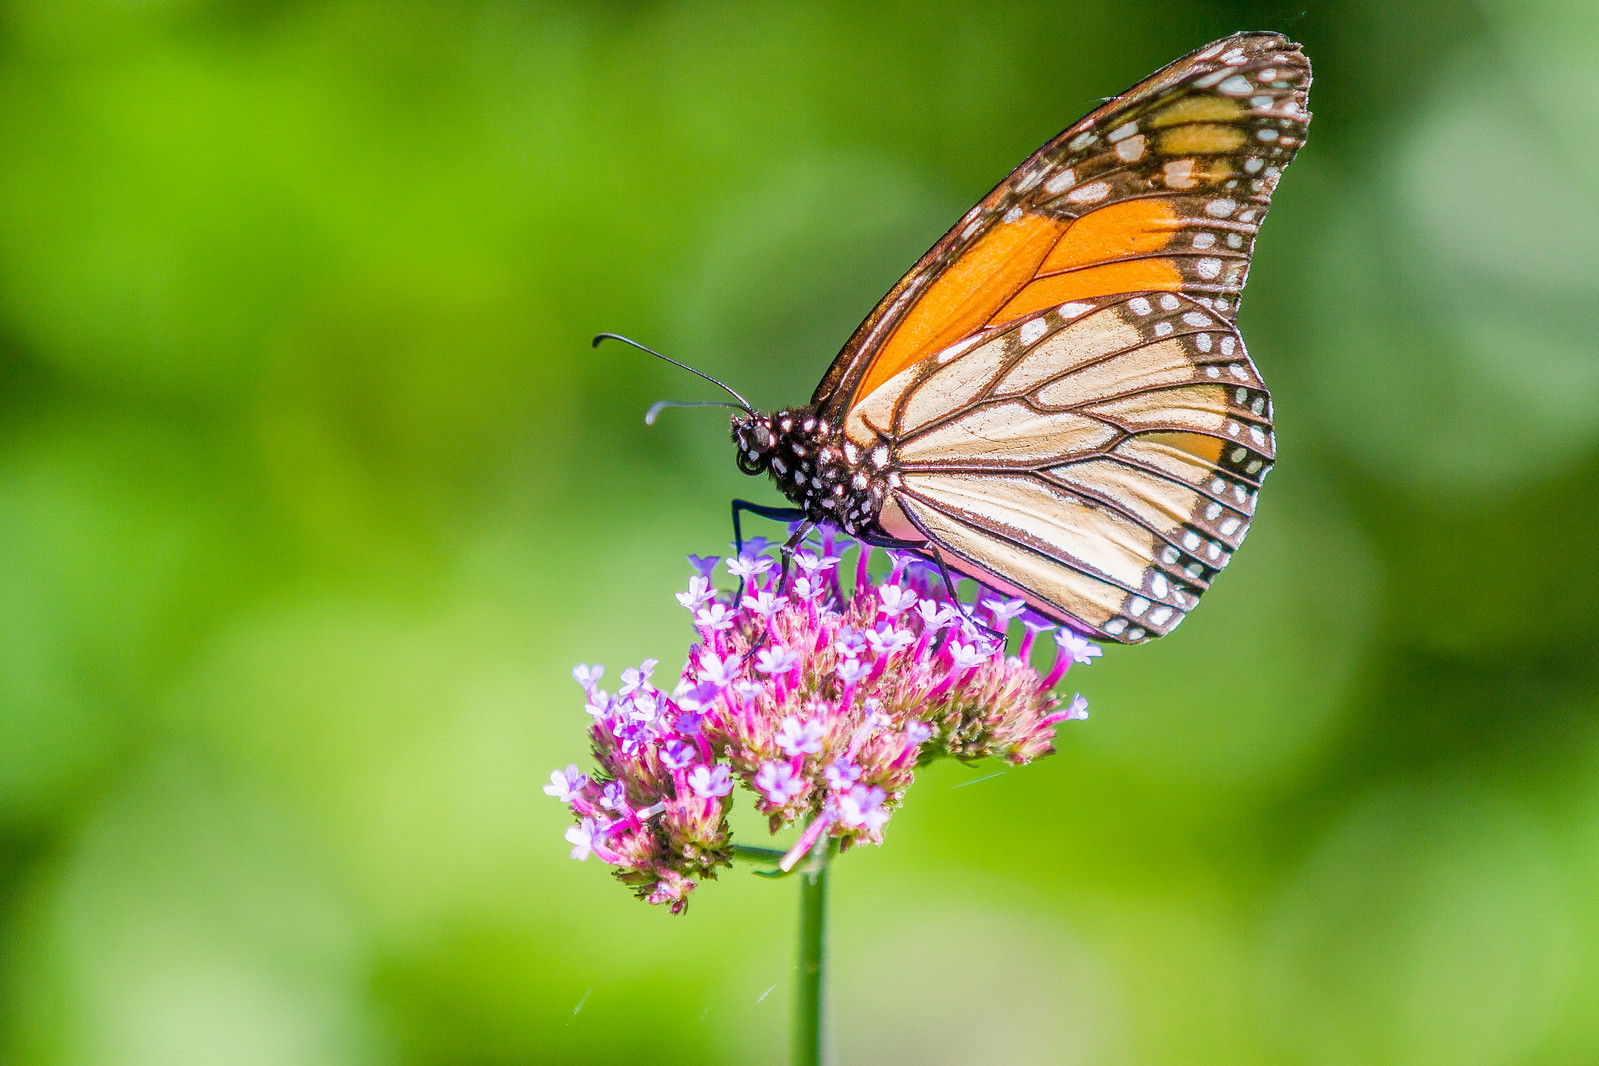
x=825, y=474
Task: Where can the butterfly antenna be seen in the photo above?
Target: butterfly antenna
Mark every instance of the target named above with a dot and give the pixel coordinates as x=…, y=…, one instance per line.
x=742, y=402
x=654, y=412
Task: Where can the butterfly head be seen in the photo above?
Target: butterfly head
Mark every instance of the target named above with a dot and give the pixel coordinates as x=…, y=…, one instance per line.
x=756, y=437
x=816, y=466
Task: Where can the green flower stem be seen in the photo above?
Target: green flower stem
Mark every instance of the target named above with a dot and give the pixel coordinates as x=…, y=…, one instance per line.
x=810, y=989
x=754, y=854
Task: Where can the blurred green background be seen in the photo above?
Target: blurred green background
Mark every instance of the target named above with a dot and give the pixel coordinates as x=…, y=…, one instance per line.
x=312, y=491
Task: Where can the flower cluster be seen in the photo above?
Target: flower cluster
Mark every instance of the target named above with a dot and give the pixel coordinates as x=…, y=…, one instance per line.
x=821, y=694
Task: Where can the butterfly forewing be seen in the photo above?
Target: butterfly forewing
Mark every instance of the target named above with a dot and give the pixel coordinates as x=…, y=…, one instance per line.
x=1055, y=399
x=1161, y=189
x=1102, y=463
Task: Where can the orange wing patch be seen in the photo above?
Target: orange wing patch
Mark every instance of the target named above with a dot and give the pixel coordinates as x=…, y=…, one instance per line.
x=1202, y=138
x=1161, y=190
x=1106, y=251
x=1120, y=231
x=964, y=297
x=1198, y=108
x=1196, y=444
x=1031, y=264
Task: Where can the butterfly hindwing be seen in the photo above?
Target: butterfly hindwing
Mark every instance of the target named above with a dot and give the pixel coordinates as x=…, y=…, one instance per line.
x=1160, y=189
x=1101, y=459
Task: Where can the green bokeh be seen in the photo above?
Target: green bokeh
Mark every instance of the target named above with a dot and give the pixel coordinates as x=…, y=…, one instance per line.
x=312, y=491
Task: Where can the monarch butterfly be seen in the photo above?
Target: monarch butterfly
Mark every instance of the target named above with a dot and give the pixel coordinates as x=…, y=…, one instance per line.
x=1055, y=400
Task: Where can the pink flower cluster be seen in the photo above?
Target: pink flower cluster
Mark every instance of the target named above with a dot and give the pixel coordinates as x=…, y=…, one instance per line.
x=820, y=695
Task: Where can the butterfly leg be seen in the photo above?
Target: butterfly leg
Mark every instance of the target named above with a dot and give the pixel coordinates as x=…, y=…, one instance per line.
x=923, y=548
x=790, y=546
x=760, y=510
x=776, y=514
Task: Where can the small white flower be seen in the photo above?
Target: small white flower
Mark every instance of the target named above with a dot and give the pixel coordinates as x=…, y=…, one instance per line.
x=965, y=656
x=1077, y=647
x=862, y=807
x=566, y=784
x=852, y=671
x=584, y=836
x=699, y=591
x=896, y=600
x=776, y=659
x=716, y=617
x=765, y=604
x=800, y=738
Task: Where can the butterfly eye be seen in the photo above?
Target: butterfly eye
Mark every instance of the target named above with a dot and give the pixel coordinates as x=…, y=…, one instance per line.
x=755, y=441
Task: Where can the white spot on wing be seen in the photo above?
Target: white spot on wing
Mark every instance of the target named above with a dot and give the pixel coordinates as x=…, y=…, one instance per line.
x=1130, y=150
x=1065, y=179
x=1091, y=193
x=958, y=347
x=1179, y=174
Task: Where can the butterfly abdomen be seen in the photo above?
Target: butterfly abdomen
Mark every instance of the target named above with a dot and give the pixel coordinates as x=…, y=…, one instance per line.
x=825, y=474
